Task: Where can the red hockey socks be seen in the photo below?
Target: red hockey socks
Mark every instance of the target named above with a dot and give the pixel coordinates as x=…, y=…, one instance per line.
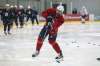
x=39, y=44
x=55, y=46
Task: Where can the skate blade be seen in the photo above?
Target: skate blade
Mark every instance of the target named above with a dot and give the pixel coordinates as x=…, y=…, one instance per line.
x=59, y=60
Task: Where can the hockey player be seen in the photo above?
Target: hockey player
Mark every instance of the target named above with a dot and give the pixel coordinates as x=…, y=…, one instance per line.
x=15, y=17
x=31, y=14
x=11, y=9
x=34, y=16
x=21, y=14
x=84, y=14
x=6, y=18
x=1, y=14
x=54, y=19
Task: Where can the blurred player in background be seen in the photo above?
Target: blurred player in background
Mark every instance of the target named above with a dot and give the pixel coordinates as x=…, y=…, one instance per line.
x=31, y=14
x=6, y=18
x=21, y=15
x=54, y=19
x=84, y=14
x=34, y=16
x=15, y=18
x=11, y=9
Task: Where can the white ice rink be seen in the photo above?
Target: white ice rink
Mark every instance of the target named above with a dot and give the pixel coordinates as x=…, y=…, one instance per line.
x=80, y=45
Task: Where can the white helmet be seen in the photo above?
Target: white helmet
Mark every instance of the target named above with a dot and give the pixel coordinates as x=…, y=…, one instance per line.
x=7, y=5
x=60, y=8
x=15, y=6
x=21, y=6
x=11, y=6
x=29, y=7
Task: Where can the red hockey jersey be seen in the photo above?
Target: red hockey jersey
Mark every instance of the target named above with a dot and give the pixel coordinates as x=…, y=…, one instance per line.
x=58, y=20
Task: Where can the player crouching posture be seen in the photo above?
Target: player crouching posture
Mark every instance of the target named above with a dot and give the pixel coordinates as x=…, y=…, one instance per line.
x=84, y=14
x=54, y=19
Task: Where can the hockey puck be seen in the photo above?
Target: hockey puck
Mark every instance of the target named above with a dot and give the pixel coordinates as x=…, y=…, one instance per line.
x=98, y=59
x=77, y=46
x=89, y=43
x=98, y=45
x=94, y=44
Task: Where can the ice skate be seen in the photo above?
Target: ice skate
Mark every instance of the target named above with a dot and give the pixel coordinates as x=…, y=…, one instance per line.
x=35, y=54
x=5, y=32
x=9, y=33
x=59, y=58
x=83, y=22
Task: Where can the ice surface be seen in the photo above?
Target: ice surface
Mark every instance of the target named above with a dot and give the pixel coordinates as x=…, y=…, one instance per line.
x=80, y=45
